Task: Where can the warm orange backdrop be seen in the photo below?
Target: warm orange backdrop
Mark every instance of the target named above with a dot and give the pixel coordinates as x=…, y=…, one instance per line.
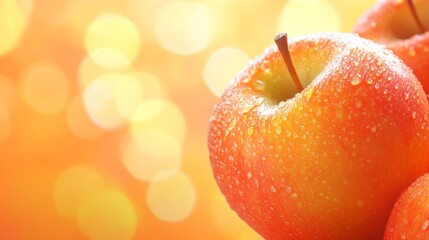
x=104, y=108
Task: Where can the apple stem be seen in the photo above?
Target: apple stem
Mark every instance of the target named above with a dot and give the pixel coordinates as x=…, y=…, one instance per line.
x=415, y=16
x=282, y=45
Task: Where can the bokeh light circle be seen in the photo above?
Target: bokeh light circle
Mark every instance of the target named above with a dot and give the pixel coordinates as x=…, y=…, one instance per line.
x=159, y=114
x=110, y=215
x=184, y=27
x=79, y=122
x=12, y=25
x=5, y=124
x=300, y=17
x=222, y=67
x=44, y=87
x=171, y=196
x=150, y=153
x=7, y=93
x=111, y=98
x=112, y=41
x=75, y=186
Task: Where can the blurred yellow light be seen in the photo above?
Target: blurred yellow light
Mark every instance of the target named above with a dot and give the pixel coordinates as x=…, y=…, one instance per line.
x=111, y=98
x=222, y=67
x=112, y=41
x=74, y=187
x=157, y=114
x=7, y=93
x=227, y=222
x=185, y=27
x=150, y=153
x=171, y=196
x=79, y=122
x=88, y=71
x=152, y=86
x=300, y=17
x=109, y=215
x=5, y=124
x=44, y=87
x=12, y=25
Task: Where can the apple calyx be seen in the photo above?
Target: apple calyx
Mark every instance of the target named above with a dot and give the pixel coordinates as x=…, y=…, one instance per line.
x=282, y=45
x=415, y=16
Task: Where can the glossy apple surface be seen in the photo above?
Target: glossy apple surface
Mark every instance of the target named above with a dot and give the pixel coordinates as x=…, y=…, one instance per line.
x=391, y=22
x=330, y=161
x=410, y=216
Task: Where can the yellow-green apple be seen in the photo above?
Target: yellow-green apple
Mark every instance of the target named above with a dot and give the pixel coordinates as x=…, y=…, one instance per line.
x=410, y=216
x=327, y=162
x=403, y=27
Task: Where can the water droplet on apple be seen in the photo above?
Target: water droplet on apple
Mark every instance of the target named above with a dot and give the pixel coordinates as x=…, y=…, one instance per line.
x=273, y=189
x=385, y=91
x=425, y=225
x=356, y=80
x=259, y=85
x=407, y=96
x=249, y=175
x=257, y=182
x=414, y=115
x=232, y=124
x=377, y=86
x=370, y=81
x=250, y=131
x=278, y=130
x=358, y=104
x=378, y=63
x=247, y=109
x=389, y=78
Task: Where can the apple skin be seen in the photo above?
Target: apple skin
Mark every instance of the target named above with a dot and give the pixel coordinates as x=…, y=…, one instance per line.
x=390, y=22
x=330, y=161
x=410, y=216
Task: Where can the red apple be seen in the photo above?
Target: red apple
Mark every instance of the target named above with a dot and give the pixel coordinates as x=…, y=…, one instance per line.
x=410, y=216
x=403, y=27
x=327, y=162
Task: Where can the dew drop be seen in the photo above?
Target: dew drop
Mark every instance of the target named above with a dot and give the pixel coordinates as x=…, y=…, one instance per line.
x=259, y=85
x=232, y=125
x=273, y=189
x=378, y=63
x=385, y=91
x=278, y=130
x=358, y=104
x=389, y=78
x=425, y=225
x=414, y=115
x=356, y=80
x=250, y=131
x=370, y=81
x=282, y=104
x=377, y=86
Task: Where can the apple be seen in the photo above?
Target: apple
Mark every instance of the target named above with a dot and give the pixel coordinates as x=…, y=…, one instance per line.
x=410, y=216
x=326, y=161
x=403, y=27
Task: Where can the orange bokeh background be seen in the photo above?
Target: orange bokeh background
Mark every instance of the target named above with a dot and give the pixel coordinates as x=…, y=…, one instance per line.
x=104, y=107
